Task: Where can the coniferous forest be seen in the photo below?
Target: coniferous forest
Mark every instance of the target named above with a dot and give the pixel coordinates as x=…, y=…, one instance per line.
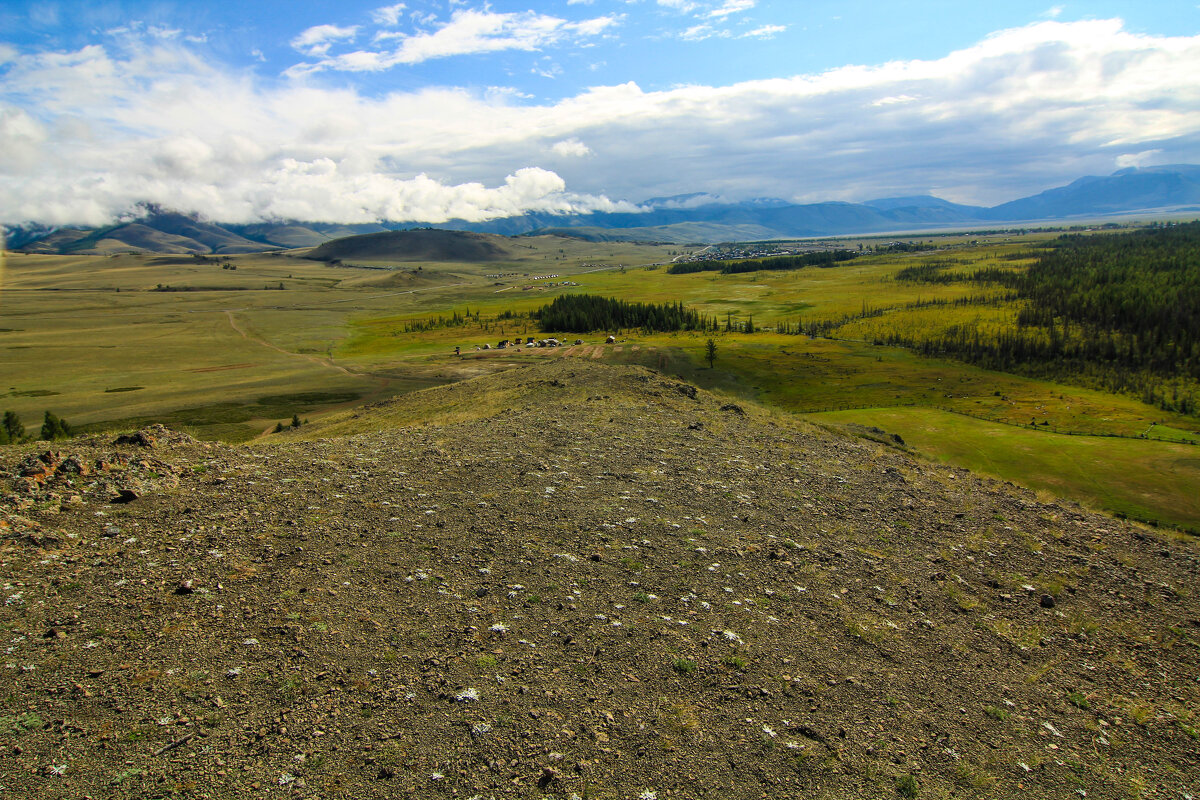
x=1121, y=311
x=580, y=313
x=825, y=258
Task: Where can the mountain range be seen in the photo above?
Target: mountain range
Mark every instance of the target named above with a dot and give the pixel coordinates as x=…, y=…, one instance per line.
x=696, y=217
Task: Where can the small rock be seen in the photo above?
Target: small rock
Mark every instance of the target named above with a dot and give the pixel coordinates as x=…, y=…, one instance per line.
x=1047, y=601
x=141, y=439
x=548, y=777
x=185, y=587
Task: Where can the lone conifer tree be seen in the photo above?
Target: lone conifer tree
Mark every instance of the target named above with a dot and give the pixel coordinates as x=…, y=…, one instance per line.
x=11, y=430
x=54, y=428
x=710, y=352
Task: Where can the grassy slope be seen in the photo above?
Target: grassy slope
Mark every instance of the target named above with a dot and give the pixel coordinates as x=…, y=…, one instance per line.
x=1142, y=479
x=232, y=355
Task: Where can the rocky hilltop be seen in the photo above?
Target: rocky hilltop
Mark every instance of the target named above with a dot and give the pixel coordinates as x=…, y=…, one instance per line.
x=578, y=580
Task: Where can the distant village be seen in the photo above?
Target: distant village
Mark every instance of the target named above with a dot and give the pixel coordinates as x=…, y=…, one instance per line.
x=722, y=252
x=530, y=286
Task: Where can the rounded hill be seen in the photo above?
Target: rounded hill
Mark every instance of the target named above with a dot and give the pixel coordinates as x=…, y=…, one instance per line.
x=427, y=244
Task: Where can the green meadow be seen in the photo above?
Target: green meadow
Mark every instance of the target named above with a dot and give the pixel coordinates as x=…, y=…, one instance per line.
x=226, y=353
x=1143, y=479
x=226, y=347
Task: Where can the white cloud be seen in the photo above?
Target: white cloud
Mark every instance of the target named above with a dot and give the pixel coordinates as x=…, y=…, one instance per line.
x=707, y=15
x=894, y=99
x=731, y=7
x=468, y=31
x=388, y=15
x=23, y=136
x=317, y=40
x=764, y=32
x=1142, y=159
x=596, y=26
x=698, y=33
x=86, y=135
x=570, y=148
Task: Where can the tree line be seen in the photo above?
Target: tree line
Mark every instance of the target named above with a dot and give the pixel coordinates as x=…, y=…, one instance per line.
x=581, y=313
x=12, y=430
x=825, y=258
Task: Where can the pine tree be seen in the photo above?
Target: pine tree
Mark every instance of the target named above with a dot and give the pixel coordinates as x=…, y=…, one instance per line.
x=11, y=430
x=710, y=352
x=54, y=428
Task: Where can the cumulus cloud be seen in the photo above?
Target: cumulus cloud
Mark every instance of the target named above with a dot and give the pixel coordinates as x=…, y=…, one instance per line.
x=88, y=134
x=570, y=148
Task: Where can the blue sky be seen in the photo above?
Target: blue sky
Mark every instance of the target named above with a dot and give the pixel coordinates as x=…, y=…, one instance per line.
x=435, y=109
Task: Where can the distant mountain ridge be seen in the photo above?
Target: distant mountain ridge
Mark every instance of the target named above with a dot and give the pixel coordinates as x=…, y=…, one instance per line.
x=1125, y=190
x=696, y=217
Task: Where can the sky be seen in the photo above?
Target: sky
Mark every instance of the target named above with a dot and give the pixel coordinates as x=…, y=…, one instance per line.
x=433, y=110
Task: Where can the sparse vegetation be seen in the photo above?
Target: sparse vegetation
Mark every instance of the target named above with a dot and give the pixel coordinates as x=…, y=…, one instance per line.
x=907, y=786
x=1079, y=700
x=16, y=724
x=997, y=713
x=683, y=666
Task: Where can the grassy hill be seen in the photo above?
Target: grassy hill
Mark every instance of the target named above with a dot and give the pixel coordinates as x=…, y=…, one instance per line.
x=416, y=245
x=579, y=579
x=156, y=233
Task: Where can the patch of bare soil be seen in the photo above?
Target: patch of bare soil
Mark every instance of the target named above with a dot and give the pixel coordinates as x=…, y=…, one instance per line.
x=611, y=586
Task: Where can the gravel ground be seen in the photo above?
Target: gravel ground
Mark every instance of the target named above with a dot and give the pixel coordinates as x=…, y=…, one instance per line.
x=578, y=579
